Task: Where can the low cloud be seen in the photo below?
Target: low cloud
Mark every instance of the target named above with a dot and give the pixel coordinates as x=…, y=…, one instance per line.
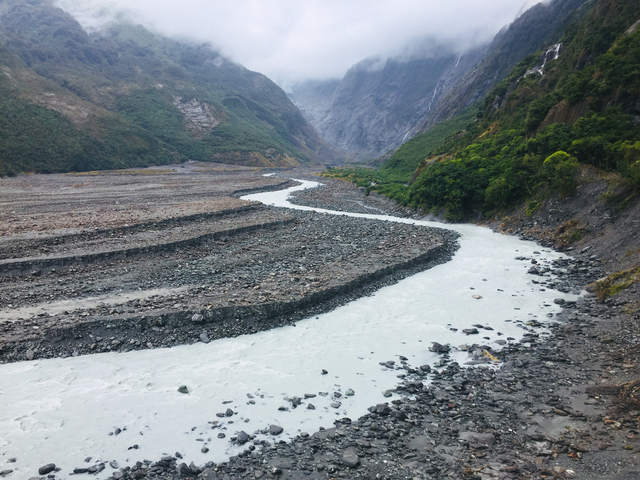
x=293, y=40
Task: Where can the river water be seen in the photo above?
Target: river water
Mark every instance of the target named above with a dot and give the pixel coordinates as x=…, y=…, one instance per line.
x=63, y=411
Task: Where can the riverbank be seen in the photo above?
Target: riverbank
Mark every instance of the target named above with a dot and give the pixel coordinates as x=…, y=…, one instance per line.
x=474, y=423
x=205, y=266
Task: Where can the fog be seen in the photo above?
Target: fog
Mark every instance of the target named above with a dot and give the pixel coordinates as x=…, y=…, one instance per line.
x=293, y=40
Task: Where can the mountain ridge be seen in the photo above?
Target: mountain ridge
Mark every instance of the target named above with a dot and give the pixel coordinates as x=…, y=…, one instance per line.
x=117, y=97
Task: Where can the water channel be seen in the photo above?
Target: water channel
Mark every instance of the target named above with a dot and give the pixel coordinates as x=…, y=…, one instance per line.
x=65, y=410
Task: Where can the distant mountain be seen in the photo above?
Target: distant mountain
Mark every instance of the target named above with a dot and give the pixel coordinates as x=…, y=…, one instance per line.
x=124, y=96
x=378, y=106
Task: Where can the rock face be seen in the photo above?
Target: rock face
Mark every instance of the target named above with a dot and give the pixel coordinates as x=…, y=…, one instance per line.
x=379, y=105
x=376, y=104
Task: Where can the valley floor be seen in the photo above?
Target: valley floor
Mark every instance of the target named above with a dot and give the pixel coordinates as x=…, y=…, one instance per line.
x=562, y=407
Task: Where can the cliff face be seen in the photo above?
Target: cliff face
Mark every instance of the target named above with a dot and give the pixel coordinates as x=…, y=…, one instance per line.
x=541, y=25
x=378, y=106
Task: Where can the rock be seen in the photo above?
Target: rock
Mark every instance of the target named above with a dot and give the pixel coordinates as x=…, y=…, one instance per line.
x=477, y=440
x=425, y=368
x=197, y=318
x=350, y=458
x=382, y=409
x=4, y=473
x=470, y=331
x=350, y=393
x=204, y=338
x=559, y=301
x=438, y=348
x=242, y=438
x=387, y=393
x=30, y=354
x=275, y=430
x=311, y=407
x=48, y=468
x=183, y=389
x=603, y=390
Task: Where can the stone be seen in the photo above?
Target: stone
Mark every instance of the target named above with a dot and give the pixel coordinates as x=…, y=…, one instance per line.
x=48, y=468
x=439, y=348
x=30, y=354
x=242, y=438
x=603, y=390
x=197, y=318
x=204, y=338
x=477, y=440
x=275, y=430
x=350, y=458
x=470, y=331
x=183, y=389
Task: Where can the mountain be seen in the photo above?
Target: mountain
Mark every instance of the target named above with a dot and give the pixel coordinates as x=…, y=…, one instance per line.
x=379, y=105
x=542, y=24
x=124, y=96
x=572, y=107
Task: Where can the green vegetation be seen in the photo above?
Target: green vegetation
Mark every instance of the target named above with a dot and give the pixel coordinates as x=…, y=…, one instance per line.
x=614, y=283
x=135, y=88
x=531, y=133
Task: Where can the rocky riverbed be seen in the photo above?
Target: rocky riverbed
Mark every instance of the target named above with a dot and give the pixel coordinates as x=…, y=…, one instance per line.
x=559, y=406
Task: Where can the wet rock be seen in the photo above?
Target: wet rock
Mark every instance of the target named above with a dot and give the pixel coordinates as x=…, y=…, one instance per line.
x=183, y=389
x=242, y=438
x=439, y=348
x=275, y=429
x=48, y=468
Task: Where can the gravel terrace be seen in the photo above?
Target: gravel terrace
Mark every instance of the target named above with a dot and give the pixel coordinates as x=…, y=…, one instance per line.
x=204, y=267
x=560, y=407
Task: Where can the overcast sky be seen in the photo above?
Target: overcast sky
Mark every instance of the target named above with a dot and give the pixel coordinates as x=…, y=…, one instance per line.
x=294, y=40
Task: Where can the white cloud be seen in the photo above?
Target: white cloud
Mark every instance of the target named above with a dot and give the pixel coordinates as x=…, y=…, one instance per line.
x=292, y=40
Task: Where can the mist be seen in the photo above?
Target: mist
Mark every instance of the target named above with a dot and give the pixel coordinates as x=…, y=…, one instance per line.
x=292, y=40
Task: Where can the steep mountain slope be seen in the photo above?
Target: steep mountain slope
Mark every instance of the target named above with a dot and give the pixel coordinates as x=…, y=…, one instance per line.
x=541, y=25
x=375, y=105
x=534, y=129
x=375, y=108
x=126, y=97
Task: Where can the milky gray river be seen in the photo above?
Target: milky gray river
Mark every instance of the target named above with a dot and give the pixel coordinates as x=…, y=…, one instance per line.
x=63, y=410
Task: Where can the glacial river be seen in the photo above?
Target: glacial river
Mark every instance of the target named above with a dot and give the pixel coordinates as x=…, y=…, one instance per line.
x=63, y=411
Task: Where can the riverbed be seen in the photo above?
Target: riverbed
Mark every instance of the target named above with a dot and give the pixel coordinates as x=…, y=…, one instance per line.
x=125, y=407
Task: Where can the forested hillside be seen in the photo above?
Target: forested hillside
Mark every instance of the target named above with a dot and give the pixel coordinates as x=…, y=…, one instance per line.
x=570, y=104
x=121, y=97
